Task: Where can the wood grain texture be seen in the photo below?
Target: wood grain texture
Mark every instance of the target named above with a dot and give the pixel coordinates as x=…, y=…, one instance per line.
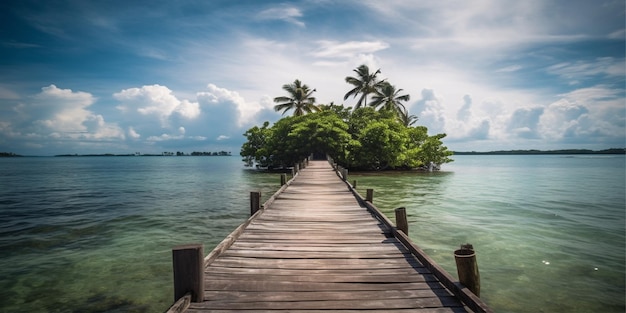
x=316, y=248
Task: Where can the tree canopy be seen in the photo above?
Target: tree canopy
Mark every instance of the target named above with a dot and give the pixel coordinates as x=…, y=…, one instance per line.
x=363, y=139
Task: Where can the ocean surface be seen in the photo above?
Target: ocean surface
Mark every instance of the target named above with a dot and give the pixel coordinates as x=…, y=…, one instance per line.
x=94, y=234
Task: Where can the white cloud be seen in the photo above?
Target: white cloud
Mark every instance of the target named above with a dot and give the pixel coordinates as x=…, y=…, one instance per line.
x=61, y=113
x=228, y=102
x=156, y=100
x=580, y=70
x=132, y=133
x=285, y=13
x=431, y=112
x=347, y=50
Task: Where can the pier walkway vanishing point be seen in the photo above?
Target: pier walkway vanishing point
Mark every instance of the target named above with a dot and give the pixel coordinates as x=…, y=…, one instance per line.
x=317, y=245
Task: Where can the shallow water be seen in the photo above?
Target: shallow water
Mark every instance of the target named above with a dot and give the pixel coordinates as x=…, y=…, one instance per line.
x=94, y=234
x=548, y=230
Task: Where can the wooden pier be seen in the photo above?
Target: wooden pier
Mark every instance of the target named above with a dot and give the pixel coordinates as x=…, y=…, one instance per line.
x=317, y=245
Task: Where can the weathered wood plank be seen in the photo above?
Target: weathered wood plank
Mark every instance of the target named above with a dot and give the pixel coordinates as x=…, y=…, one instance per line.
x=412, y=310
x=294, y=286
x=315, y=247
x=432, y=302
x=272, y=296
x=228, y=270
x=322, y=264
x=400, y=278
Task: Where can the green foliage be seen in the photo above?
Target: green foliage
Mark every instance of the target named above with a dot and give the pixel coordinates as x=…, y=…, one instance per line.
x=361, y=139
x=299, y=99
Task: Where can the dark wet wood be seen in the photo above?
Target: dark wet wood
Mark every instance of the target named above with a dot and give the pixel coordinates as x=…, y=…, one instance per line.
x=315, y=247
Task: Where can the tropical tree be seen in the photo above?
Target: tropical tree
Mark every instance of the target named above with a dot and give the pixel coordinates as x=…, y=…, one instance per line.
x=387, y=97
x=408, y=120
x=364, y=84
x=299, y=99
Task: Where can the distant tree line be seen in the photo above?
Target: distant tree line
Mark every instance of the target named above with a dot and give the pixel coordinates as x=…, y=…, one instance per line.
x=177, y=153
x=9, y=154
x=563, y=151
x=221, y=153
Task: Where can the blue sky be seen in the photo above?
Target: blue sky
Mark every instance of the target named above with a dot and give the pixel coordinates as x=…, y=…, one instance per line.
x=150, y=76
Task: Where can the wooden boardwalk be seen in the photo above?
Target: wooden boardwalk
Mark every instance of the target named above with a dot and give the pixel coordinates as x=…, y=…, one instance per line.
x=317, y=247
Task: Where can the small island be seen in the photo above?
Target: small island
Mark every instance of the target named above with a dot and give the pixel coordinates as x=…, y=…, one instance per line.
x=377, y=134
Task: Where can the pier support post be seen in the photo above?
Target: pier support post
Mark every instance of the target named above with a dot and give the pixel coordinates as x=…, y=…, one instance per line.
x=255, y=202
x=369, y=196
x=188, y=261
x=283, y=179
x=354, y=184
x=467, y=268
x=401, y=220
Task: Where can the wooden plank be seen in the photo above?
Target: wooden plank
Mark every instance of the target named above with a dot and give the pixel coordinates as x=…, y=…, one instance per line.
x=276, y=286
x=432, y=302
x=315, y=246
x=386, y=310
x=321, y=264
x=228, y=270
x=253, y=278
x=274, y=296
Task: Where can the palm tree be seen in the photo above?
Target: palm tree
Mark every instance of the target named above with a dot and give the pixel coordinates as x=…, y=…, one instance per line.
x=406, y=119
x=365, y=83
x=387, y=97
x=299, y=99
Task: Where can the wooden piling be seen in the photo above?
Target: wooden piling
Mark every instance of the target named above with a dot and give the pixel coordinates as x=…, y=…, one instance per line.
x=369, y=195
x=283, y=179
x=467, y=268
x=255, y=202
x=188, y=261
x=354, y=184
x=401, y=220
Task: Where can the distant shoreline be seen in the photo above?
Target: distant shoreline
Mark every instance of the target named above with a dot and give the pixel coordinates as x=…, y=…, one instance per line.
x=544, y=152
x=499, y=152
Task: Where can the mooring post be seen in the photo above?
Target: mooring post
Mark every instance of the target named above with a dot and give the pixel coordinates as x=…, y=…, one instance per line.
x=401, y=220
x=354, y=184
x=188, y=261
x=369, y=196
x=255, y=202
x=283, y=179
x=467, y=268
x=344, y=173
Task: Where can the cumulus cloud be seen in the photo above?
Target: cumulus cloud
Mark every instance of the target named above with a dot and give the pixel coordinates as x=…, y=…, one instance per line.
x=60, y=113
x=431, y=111
x=465, y=113
x=156, y=100
x=230, y=104
x=524, y=122
x=586, y=115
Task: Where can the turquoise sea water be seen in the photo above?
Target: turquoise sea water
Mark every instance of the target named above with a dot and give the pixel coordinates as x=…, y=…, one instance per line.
x=548, y=230
x=94, y=234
